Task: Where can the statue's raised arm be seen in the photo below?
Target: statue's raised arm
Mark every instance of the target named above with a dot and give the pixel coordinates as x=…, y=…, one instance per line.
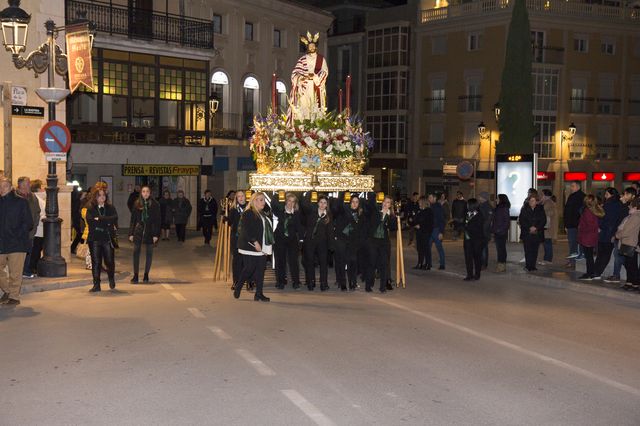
x=308, y=100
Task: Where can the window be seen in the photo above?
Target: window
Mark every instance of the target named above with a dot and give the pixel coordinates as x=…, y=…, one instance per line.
x=581, y=44
x=248, y=31
x=388, y=47
x=387, y=90
x=474, y=42
x=250, y=103
x=545, y=89
x=473, y=99
x=217, y=24
x=435, y=143
x=578, y=100
x=281, y=90
x=605, y=149
x=389, y=132
x=170, y=84
x=577, y=147
x=633, y=148
x=277, y=38
x=437, y=100
x=545, y=138
x=608, y=46
x=537, y=46
x=439, y=45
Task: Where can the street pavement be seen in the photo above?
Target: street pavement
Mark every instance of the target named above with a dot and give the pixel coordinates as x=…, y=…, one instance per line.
x=182, y=351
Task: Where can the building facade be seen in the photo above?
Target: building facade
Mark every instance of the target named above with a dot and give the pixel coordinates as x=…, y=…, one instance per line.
x=586, y=72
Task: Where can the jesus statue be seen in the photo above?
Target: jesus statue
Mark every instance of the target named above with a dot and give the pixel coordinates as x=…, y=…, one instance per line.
x=308, y=100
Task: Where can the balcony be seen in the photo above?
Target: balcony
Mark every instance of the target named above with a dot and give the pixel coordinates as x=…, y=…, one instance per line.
x=537, y=8
x=581, y=105
x=548, y=55
x=143, y=24
x=229, y=126
x=608, y=106
x=434, y=105
x=470, y=103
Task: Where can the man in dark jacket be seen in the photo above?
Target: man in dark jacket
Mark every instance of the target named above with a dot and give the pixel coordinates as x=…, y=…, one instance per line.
x=15, y=225
x=181, y=213
x=572, y=212
x=458, y=214
x=133, y=197
x=207, y=212
x=608, y=227
x=487, y=216
x=437, y=233
x=24, y=191
x=626, y=198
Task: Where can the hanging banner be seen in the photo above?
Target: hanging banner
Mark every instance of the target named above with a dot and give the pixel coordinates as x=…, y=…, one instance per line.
x=79, y=57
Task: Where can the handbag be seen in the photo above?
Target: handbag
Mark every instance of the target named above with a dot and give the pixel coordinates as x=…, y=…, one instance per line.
x=82, y=250
x=626, y=250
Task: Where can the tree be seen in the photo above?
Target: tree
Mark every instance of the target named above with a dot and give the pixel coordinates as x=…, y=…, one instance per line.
x=516, y=110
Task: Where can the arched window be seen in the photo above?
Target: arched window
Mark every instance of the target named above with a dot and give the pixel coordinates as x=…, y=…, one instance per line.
x=281, y=91
x=219, y=103
x=250, y=102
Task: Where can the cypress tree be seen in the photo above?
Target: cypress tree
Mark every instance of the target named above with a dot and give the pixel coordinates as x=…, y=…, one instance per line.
x=516, y=109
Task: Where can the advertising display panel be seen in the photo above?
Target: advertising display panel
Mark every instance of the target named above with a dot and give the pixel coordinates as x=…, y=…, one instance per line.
x=515, y=174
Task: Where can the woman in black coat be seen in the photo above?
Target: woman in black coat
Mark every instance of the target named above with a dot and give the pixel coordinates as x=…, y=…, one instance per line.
x=288, y=234
x=532, y=220
x=349, y=233
x=255, y=243
x=102, y=220
x=144, y=229
x=381, y=220
x=237, y=207
x=317, y=240
x=422, y=222
x=473, y=240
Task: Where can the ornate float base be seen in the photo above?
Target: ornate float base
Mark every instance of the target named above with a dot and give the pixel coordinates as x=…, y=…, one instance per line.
x=301, y=182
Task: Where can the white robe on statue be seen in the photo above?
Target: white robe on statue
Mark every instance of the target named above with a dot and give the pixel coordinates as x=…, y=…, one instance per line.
x=309, y=95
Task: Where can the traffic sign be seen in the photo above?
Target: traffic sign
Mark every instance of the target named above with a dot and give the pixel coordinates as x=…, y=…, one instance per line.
x=27, y=111
x=55, y=137
x=56, y=157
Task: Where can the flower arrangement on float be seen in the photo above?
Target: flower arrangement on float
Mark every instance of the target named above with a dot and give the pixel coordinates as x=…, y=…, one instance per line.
x=334, y=144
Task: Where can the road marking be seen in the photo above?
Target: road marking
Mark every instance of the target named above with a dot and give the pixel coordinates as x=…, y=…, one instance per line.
x=517, y=348
x=219, y=332
x=307, y=408
x=178, y=296
x=167, y=286
x=196, y=312
x=259, y=366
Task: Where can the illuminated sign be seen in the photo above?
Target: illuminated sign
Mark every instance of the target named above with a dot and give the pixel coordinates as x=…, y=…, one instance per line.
x=581, y=176
x=514, y=178
x=546, y=175
x=631, y=176
x=603, y=176
x=515, y=158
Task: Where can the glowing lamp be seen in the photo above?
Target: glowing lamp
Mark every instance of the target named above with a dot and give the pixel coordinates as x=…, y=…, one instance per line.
x=15, y=25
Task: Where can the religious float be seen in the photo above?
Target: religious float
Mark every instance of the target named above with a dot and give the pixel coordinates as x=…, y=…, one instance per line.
x=310, y=148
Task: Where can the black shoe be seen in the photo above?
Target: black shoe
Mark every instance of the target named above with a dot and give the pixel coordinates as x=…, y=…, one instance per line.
x=441, y=268
x=343, y=288
x=352, y=287
x=95, y=288
x=418, y=266
x=280, y=286
x=389, y=286
x=467, y=279
x=296, y=286
x=12, y=302
x=112, y=285
x=134, y=280
x=251, y=286
x=261, y=298
x=368, y=290
x=425, y=268
x=145, y=279
x=383, y=290
x=237, y=290
x=324, y=287
x=477, y=278
x=585, y=277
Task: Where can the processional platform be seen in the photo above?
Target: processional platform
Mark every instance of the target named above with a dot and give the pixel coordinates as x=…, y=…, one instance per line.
x=302, y=182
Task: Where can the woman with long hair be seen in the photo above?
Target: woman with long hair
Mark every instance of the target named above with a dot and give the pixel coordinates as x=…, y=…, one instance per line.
x=422, y=222
x=588, y=230
x=144, y=229
x=102, y=220
x=238, y=204
x=255, y=243
x=500, y=229
x=317, y=241
x=288, y=234
x=532, y=220
x=166, y=217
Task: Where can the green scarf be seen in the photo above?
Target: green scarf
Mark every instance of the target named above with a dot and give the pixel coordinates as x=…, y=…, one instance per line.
x=268, y=231
x=145, y=211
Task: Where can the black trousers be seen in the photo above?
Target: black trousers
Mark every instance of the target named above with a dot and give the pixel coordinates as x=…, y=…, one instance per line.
x=602, y=258
x=252, y=271
x=501, y=247
x=207, y=228
x=102, y=251
x=631, y=265
x=424, y=248
x=316, y=249
x=473, y=257
x=588, y=255
x=531, y=246
x=379, y=251
x=340, y=262
x=137, y=248
x=77, y=238
x=353, y=258
x=485, y=253
x=181, y=231
x=286, y=251
x=236, y=259
x=36, y=253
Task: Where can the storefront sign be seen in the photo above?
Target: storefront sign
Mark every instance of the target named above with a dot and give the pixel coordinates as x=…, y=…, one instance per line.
x=603, y=176
x=159, y=170
x=631, y=177
x=79, y=57
x=546, y=176
x=450, y=169
x=580, y=176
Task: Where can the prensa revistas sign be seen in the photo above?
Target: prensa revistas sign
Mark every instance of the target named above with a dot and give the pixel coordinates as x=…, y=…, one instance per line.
x=79, y=57
x=159, y=170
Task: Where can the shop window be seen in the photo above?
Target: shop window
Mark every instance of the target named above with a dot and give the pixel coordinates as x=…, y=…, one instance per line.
x=170, y=84
x=143, y=81
x=115, y=79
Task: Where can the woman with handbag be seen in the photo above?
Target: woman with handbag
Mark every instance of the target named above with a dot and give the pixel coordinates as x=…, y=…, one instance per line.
x=588, y=230
x=627, y=235
x=144, y=229
x=102, y=219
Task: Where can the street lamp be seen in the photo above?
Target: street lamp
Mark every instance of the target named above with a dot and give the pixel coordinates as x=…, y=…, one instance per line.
x=486, y=135
x=565, y=136
x=48, y=57
x=497, y=111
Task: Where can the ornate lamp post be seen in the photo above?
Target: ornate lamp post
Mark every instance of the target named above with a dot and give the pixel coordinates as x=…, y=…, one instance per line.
x=50, y=58
x=565, y=136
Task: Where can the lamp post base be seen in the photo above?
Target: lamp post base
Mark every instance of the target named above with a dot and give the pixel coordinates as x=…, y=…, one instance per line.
x=52, y=264
x=52, y=267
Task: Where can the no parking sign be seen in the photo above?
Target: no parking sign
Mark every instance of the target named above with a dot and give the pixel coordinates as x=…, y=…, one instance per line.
x=55, y=137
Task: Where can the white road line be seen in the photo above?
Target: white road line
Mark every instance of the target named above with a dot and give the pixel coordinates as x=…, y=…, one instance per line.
x=259, y=366
x=517, y=348
x=167, y=286
x=219, y=332
x=178, y=296
x=196, y=312
x=307, y=408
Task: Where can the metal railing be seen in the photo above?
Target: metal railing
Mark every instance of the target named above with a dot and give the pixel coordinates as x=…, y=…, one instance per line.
x=548, y=55
x=608, y=106
x=470, y=103
x=435, y=105
x=143, y=24
x=230, y=126
x=581, y=105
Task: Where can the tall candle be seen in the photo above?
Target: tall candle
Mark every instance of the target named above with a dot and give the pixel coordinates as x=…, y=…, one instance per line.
x=340, y=101
x=349, y=95
x=274, y=102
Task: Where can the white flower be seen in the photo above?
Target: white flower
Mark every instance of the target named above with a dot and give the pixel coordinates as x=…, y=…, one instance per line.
x=339, y=132
x=278, y=149
x=309, y=141
x=322, y=134
x=329, y=148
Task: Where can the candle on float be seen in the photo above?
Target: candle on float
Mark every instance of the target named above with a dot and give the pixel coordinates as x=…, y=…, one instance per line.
x=274, y=106
x=348, y=94
x=340, y=101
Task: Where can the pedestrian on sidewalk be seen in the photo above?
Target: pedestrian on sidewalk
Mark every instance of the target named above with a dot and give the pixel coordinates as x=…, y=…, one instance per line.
x=144, y=230
x=628, y=195
x=102, y=220
x=608, y=225
x=288, y=234
x=486, y=209
x=207, y=214
x=446, y=207
x=437, y=233
x=458, y=214
x=16, y=223
x=532, y=221
x=500, y=228
x=473, y=240
x=551, y=228
x=423, y=225
x=24, y=191
x=572, y=211
x=588, y=229
x=255, y=243
x=38, y=239
x=166, y=217
x=181, y=212
x=238, y=206
x=627, y=235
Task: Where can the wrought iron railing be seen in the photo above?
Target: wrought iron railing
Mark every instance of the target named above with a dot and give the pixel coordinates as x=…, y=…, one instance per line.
x=143, y=24
x=470, y=103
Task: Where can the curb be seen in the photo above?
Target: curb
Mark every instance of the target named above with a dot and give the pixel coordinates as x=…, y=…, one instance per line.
x=40, y=287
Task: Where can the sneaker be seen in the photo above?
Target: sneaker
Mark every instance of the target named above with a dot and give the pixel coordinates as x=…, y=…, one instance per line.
x=573, y=256
x=597, y=277
x=581, y=257
x=544, y=263
x=28, y=276
x=585, y=277
x=522, y=260
x=612, y=279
